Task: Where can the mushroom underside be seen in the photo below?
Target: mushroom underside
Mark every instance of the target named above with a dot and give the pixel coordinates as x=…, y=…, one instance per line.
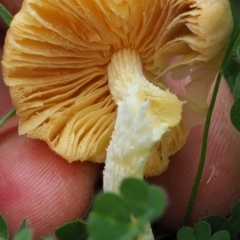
x=57, y=53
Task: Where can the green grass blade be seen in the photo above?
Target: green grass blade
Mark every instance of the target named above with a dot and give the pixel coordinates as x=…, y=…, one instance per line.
x=225, y=62
x=10, y=114
x=5, y=15
x=203, y=151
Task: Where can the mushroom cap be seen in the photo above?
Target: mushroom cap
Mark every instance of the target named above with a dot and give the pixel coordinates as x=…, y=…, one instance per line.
x=56, y=55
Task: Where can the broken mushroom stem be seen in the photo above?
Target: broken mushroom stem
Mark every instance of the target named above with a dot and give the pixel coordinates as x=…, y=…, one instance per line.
x=138, y=126
x=133, y=137
x=130, y=147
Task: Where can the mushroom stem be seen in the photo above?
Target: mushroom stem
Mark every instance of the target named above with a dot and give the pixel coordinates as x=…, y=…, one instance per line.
x=130, y=147
x=133, y=138
x=145, y=112
x=138, y=126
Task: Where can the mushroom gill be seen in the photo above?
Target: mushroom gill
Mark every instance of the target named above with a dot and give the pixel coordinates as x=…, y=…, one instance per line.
x=56, y=59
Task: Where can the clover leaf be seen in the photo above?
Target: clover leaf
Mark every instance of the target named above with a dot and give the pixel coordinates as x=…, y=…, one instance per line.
x=75, y=230
x=236, y=216
x=185, y=233
x=123, y=216
x=235, y=114
x=23, y=225
x=221, y=235
x=201, y=231
x=24, y=234
x=219, y=223
x=4, y=232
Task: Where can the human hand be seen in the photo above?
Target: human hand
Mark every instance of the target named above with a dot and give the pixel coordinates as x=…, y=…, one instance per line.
x=219, y=188
x=215, y=195
x=37, y=184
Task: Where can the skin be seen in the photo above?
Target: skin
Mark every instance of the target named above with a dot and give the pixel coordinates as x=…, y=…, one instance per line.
x=219, y=188
x=49, y=192
x=37, y=184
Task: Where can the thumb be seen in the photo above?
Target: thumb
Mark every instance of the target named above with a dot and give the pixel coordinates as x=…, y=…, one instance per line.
x=37, y=184
x=219, y=187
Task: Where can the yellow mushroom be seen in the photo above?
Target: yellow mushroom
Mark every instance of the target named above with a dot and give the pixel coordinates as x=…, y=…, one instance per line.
x=82, y=73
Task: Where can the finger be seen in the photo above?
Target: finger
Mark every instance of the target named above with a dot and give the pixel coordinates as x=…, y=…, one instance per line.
x=219, y=188
x=39, y=185
x=36, y=183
